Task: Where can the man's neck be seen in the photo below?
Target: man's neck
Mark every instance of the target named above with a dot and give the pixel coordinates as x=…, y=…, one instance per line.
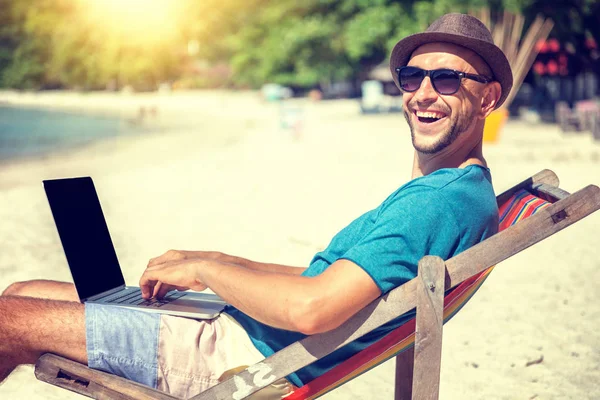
x=425, y=164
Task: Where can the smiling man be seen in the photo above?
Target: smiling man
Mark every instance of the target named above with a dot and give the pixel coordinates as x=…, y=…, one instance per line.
x=437, y=124
x=452, y=77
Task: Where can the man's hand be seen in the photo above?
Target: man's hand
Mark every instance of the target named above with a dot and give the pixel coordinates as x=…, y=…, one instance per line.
x=161, y=278
x=178, y=255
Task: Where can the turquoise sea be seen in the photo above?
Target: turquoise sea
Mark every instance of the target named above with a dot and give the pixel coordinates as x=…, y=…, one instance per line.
x=29, y=132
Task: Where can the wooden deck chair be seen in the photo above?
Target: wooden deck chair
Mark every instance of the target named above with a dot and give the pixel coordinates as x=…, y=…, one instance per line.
x=529, y=212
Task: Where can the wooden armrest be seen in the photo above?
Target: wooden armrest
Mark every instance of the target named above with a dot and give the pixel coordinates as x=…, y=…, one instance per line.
x=79, y=378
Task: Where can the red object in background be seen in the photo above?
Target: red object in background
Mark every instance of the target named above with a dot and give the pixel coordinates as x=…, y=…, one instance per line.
x=553, y=45
x=551, y=60
x=552, y=67
x=539, y=68
x=590, y=43
x=541, y=46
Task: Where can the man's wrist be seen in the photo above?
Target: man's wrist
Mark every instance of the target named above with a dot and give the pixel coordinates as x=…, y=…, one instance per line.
x=218, y=256
x=223, y=258
x=199, y=266
x=207, y=255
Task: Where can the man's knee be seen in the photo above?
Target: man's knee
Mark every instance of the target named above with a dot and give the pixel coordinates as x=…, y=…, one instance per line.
x=14, y=289
x=43, y=289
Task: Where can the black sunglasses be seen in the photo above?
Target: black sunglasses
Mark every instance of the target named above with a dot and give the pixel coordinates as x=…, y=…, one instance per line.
x=444, y=81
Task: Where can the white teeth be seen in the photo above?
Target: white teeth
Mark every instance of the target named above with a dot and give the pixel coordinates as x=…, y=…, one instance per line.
x=429, y=114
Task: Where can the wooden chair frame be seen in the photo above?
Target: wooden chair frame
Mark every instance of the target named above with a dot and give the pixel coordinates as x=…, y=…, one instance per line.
x=426, y=293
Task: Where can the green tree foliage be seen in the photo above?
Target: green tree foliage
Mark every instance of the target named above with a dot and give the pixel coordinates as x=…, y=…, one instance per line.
x=22, y=54
x=300, y=43
x=56, y=43
x=290, y=44
x=320, y=41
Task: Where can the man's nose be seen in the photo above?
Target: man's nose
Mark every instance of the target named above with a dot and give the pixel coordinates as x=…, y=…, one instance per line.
x=426, y=92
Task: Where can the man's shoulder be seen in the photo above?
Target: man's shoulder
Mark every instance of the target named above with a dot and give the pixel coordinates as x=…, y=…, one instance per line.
x=470, y=176
x=447, y=183
x=454, y=191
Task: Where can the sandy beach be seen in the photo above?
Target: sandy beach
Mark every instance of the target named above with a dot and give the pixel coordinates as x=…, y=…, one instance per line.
x=222, y=174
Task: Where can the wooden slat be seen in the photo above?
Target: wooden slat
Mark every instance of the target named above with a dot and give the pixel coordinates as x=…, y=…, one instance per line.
x=548, y=192
x=545, y=176
x=428, y=334
x=403, y=298
x=78, y=378
x=404, y=374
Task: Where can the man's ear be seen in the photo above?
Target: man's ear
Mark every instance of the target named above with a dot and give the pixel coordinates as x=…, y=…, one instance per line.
x=490, y=98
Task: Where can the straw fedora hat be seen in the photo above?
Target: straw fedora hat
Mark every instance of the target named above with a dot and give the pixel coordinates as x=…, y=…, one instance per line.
x=463, y=30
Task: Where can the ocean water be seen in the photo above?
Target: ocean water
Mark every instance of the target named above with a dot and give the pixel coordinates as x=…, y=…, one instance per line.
x=29, y=132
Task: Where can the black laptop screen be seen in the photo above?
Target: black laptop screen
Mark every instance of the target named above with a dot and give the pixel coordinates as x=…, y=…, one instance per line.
x=84, y=235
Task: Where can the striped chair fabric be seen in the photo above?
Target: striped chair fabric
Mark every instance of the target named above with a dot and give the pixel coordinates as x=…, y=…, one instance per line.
x=521, y=205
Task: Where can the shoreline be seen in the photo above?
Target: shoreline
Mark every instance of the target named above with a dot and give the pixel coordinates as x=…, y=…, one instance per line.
x=176, y=119
x=125, y=103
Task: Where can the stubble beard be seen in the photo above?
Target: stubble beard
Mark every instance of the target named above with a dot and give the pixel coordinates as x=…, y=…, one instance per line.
x=446, y=138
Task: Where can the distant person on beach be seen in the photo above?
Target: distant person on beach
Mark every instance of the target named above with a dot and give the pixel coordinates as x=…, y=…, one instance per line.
x=452, y=77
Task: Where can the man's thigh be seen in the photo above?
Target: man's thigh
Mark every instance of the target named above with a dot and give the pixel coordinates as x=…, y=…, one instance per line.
x=32, y=326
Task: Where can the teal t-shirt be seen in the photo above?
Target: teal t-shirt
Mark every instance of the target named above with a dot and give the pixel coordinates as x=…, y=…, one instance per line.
x=442, y=214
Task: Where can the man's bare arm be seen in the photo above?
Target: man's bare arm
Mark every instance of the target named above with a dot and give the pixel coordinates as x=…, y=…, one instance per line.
x=178, y=255
x=260, y=266
x=306, y=304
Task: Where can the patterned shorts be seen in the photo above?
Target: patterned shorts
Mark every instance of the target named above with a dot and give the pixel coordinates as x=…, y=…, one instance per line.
x=180, y=356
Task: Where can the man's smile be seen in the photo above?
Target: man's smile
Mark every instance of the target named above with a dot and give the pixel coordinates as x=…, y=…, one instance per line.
x=428, y=119
x=424, y=116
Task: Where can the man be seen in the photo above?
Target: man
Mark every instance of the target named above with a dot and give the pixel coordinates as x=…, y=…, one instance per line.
x=452, y=77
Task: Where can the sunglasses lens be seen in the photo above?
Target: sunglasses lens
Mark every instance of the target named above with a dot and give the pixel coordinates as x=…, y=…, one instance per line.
x=445, y=81
x=410, y=78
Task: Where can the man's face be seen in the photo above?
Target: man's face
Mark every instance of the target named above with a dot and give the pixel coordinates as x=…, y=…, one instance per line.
x=436, y=120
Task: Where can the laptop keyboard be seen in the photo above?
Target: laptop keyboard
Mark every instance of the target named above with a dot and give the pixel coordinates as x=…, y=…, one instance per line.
x=134, y=297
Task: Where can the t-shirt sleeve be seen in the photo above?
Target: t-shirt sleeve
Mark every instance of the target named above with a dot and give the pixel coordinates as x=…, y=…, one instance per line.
x=417, y=223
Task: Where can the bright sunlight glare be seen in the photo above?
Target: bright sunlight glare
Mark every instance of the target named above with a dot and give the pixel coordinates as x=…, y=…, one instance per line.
x=141, y=21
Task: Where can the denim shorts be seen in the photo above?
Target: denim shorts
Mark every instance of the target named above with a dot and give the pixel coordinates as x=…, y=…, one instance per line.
x=180, y=356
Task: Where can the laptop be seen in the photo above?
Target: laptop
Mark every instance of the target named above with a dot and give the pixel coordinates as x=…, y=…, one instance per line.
x=93, y=261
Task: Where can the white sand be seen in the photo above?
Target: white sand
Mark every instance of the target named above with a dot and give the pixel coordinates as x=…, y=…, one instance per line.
x=238, y=183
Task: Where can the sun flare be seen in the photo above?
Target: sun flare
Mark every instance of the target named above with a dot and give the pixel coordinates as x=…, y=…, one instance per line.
x=141, y=21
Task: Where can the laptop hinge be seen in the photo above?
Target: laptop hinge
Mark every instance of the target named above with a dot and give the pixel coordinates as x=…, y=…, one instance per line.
x=103, y=294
